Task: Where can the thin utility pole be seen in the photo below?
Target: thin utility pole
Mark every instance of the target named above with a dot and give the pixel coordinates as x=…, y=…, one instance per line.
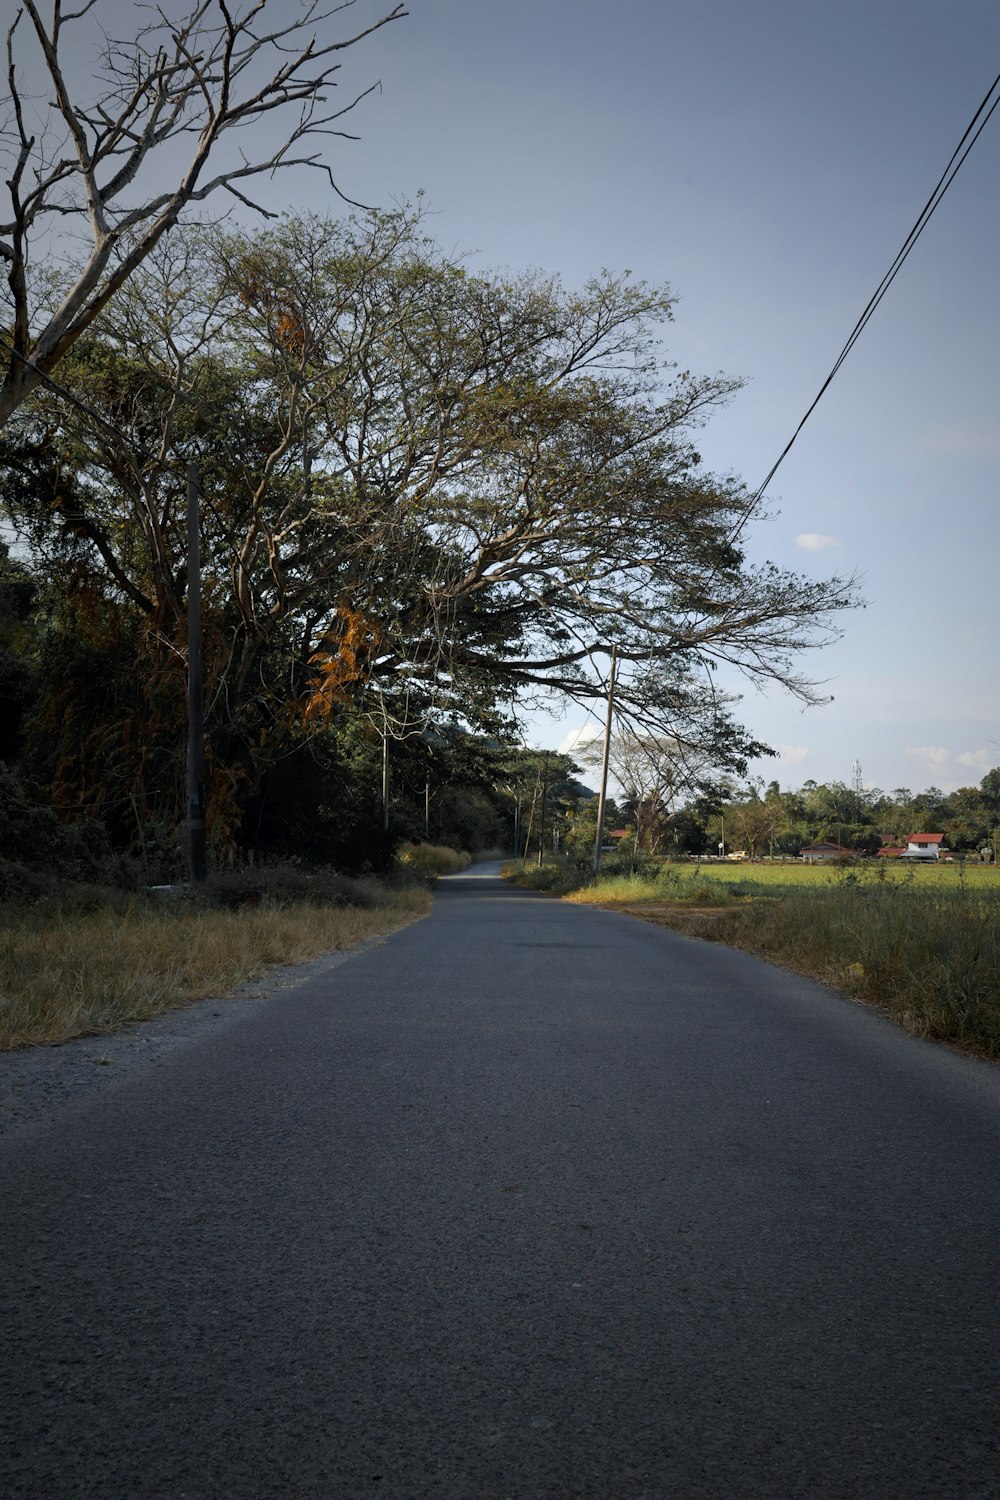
x=196, y=707
x=427, y=811
x=545, y=789
x=385, y=779
x=531, y=814
x=603, y=799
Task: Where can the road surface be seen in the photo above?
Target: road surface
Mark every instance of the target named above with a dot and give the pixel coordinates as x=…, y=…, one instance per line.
x=528, y=1201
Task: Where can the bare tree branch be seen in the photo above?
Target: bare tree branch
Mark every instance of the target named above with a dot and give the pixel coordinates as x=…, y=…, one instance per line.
x=182, y=75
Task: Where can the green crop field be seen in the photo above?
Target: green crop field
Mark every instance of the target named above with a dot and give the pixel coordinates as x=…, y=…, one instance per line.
x=937, y=875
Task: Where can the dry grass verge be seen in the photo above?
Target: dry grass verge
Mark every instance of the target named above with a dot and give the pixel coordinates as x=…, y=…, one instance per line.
x=84, y=974
x=927, y=955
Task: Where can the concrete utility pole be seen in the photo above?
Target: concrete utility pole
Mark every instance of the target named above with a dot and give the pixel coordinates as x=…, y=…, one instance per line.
x=531, y=814
x=385, y=778
x=545, y=789
x=196, y=711
x=603, y=798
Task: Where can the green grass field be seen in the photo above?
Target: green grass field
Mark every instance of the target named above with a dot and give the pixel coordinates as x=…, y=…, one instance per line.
x=935, y=873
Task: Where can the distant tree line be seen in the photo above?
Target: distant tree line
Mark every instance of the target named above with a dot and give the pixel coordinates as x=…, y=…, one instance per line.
x=769, y=821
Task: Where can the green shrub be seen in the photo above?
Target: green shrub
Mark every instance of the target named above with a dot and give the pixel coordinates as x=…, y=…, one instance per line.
x=40, y=854
x=558, y=876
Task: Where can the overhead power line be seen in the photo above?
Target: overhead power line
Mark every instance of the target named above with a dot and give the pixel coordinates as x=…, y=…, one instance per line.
x=973, y=131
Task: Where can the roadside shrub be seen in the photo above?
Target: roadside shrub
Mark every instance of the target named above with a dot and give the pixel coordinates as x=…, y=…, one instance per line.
x=39, y=853
x=287, y=884
x=22, y=886
x=427, y=861
x=557, y=876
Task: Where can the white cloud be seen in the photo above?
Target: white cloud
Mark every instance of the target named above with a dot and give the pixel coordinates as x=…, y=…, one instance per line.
x=578, y=739
x=934, y=757
x=792, y=755
x=815, y=541
x=976, y=760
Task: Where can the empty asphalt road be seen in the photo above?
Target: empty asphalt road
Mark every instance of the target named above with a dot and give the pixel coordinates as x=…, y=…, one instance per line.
x=528, y=1201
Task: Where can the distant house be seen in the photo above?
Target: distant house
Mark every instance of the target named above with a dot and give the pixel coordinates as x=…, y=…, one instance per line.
x=825, y=852
x=923, y=846
x=917, y=846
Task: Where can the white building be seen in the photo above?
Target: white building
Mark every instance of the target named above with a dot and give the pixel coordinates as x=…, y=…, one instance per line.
x=922, y=846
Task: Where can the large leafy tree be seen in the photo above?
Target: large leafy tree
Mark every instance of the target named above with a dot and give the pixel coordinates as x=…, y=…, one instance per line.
x=427, y=493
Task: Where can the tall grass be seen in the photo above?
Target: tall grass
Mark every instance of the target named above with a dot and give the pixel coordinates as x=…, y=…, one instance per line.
x=924, y=944
x=929, y=956
x=653, y=882
x=672, y=883
x=552, y=876
x=82, y=973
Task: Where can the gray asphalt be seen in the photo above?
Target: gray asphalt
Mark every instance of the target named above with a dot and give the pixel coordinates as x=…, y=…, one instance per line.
x=528, y=1201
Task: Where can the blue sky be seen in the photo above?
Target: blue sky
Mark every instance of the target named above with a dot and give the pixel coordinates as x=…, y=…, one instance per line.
x=767, y=160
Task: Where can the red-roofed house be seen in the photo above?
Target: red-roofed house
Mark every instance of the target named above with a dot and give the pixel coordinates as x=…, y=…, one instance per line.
x=824, y=853
x=922, y=846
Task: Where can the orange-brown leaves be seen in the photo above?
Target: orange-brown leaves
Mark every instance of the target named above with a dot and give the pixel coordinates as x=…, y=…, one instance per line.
x=282, y=311
x=343, y=660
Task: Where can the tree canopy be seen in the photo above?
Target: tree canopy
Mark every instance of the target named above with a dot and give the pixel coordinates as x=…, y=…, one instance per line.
x=859, y=819
x=428, y=496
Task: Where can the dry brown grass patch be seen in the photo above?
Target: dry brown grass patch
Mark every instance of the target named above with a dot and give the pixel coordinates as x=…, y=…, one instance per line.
x=88, y=974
